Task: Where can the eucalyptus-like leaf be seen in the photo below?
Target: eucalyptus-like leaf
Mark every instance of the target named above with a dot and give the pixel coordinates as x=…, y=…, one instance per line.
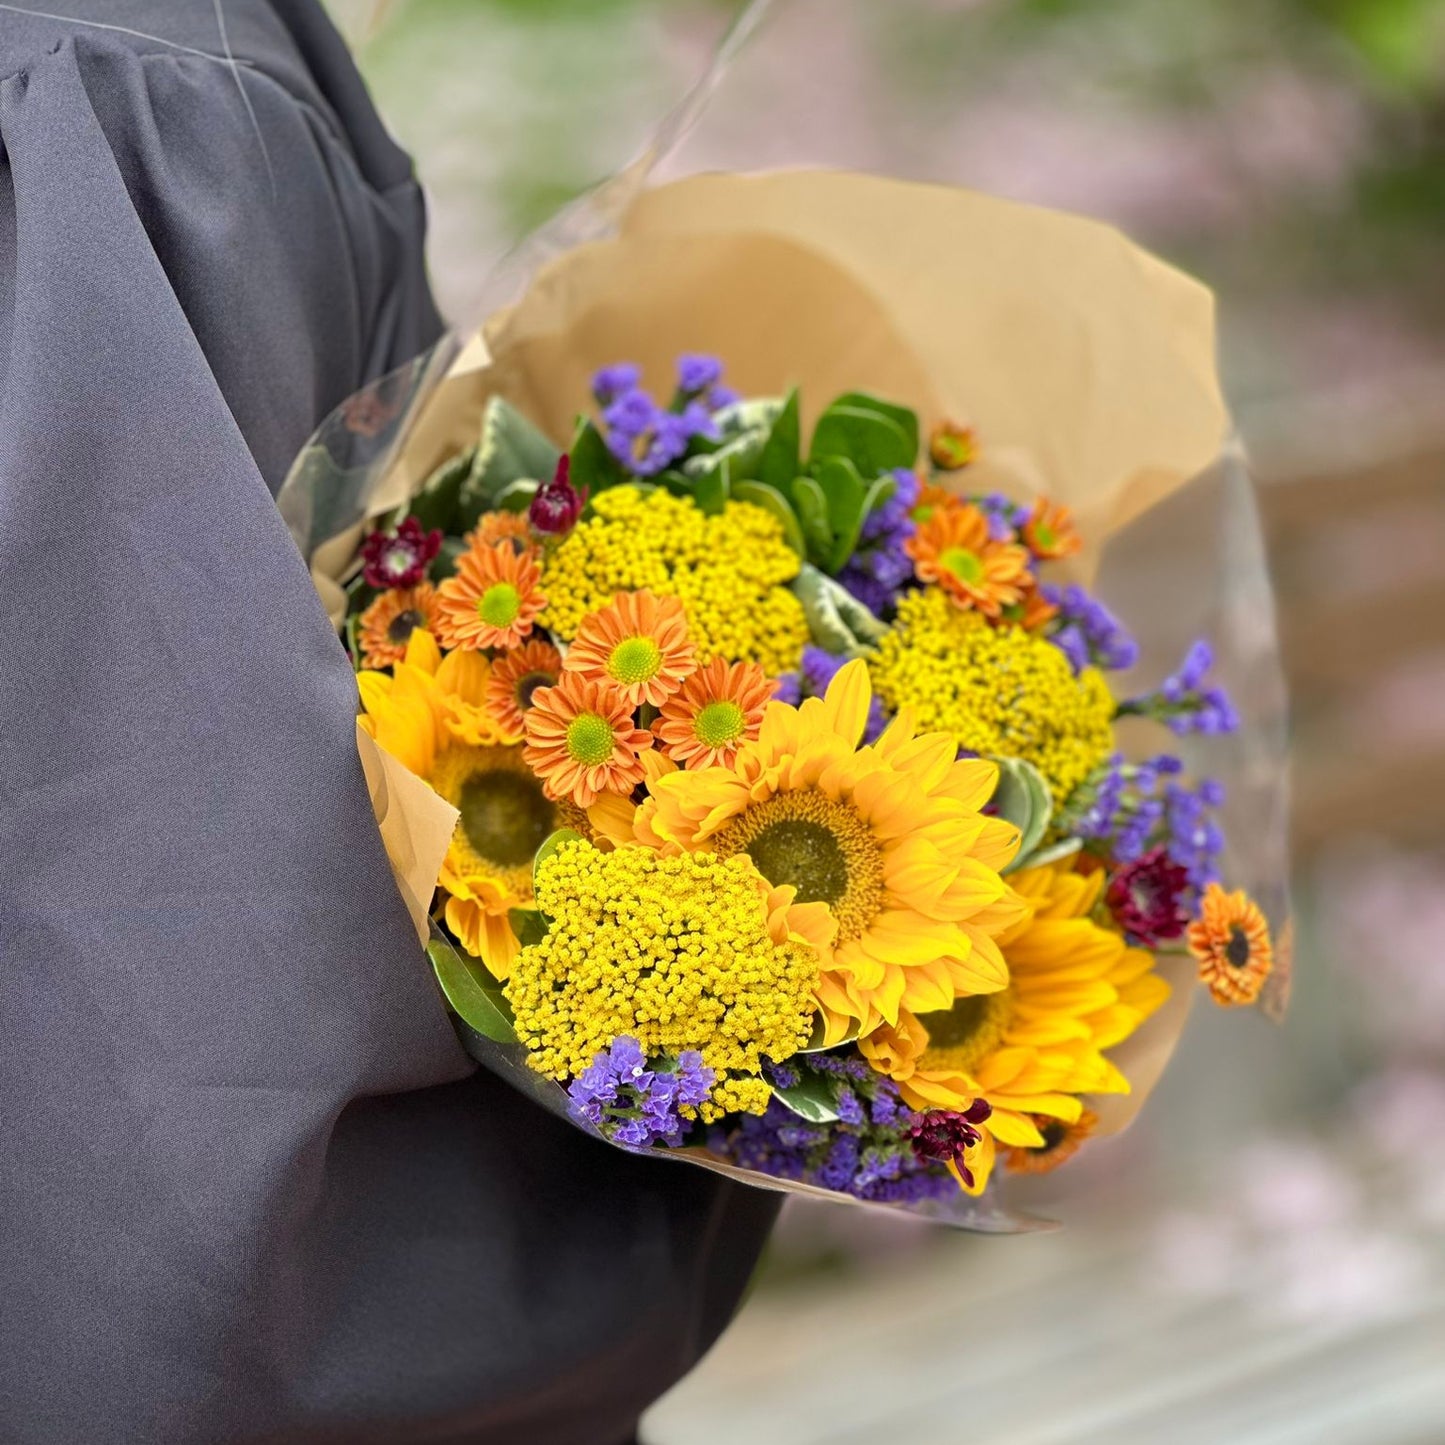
x=475, y=996
x=1023, y=798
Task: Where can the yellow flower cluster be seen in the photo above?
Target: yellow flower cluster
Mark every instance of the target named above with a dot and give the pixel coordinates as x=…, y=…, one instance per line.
x=727, y=569
x=999, y=690
x=674, y=951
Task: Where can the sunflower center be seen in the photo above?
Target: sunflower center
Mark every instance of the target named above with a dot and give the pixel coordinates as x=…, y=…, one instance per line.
x=965, y=565
x=963, y=1036
x=589, y=739
x=1237, y=950
x=636, y=659
x=404, y=624
x=819, y=846
x=719, y=723
x=499, y=605
x=505, y=816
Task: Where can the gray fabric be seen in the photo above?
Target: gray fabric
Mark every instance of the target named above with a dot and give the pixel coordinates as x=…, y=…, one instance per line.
x=250, y=1189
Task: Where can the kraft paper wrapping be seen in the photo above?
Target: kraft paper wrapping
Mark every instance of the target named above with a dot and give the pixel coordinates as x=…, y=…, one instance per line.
x=1085, y=364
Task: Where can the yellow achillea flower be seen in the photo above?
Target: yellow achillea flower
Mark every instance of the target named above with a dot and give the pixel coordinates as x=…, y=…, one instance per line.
x=890, y=837
x=679, y=952
x=1000, y=690
x=727, y=570
x=1075, y=989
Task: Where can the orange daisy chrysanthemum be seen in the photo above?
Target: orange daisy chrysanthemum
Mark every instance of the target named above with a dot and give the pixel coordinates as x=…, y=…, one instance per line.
x=1231, y=940
x=716, y=710
x=582, y=740
x=516, y=677
x=1061, y=1142
x=638, y=643
x=951, y=446
x=1050, y=531
x=1035, y=609
x=933, y=498
x=494, y=527
x=953, y=548
x=492, y=600
x=385, y=628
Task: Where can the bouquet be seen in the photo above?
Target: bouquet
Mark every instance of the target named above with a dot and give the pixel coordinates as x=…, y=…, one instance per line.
x=760, y=765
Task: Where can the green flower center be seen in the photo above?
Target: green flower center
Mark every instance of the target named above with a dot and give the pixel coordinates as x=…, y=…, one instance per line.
x=963, y=1036
x=505, y=815
x=1045, y=535
x=589, y=739
x=404, y=624
x=818, y=846
x=719, y=723
x=638, y=659
x=1237, y=950
x=965, y=565
x=499, y=605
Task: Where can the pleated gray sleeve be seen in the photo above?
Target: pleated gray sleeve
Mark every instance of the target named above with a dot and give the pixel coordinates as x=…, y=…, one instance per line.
x=250, y=1188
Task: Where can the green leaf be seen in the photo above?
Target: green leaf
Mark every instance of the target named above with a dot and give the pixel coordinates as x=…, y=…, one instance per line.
x=593, y=466
x=815, y=1044
x=781, y=458
x=770, y=499
x=529, y=924
x=839, y=623
x=550, y=844
x=710, y=489
x=438, y=502
x=1053, y=853
x=511, y=450
x=515, y=496
x=847, y=496
x=904, y=418
x=872, y=441
x=445, y=561
x=812, y=1098
x=811, y=507
x=1023, y=798
x=474, y=995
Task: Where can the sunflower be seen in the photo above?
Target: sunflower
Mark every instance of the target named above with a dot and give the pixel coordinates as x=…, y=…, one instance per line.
x=639, y=643
x=1050, y=531
x=716, y=711
x=891, y=837
x=427, y=716
x=582, y=741
x=1074, y=990
x=516, y=678
x=1061, y=1142
x=1231, y=940
x=952, y=547
x=385, y=626
x=492, y=600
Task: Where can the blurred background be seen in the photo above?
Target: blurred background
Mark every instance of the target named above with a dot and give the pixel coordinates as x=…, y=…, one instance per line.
x=1262, y=1258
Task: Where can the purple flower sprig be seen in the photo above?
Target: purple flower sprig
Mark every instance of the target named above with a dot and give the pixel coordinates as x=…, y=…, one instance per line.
x=1185, y=702
x=1087, y=632
x=647, y=438
x=637, y=1102
x=811, y=680
x=879, y=568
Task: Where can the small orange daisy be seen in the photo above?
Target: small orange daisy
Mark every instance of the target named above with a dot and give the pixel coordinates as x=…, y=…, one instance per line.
x=492, y=600
x=716, y=710
x=1230, y=939
x=516, y=676
x=638, y=643
x=494, y=527
x=1061, y=1142
x=582, y=740
x=384, y=629
x=933, y=498
x=1034, y=610
x=953, y=548
x=1050, y=531
x=952, y=446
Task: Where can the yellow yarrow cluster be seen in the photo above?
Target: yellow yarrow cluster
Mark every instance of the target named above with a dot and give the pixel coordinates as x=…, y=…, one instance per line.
x=999, y=690
x=727, y=569
x=673, y=951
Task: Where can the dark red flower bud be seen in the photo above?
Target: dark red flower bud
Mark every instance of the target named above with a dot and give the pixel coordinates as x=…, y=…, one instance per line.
x=947, y=1137
x=557, y=505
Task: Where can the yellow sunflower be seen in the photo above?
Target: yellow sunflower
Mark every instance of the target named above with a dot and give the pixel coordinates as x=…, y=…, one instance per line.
x=891, y=837
x=1074, y=990
x=430, y=716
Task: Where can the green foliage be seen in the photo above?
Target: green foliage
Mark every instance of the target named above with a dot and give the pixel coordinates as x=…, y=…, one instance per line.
x=475, y=996
x=1022, y=797
x=814, y=1098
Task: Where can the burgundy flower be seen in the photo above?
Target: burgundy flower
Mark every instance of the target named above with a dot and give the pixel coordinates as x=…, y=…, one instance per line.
x=399, y=558
x=947, y=1137
x=558, y=504
x=1147, y=897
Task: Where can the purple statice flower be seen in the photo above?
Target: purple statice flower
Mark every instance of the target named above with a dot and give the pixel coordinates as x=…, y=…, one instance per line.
x=1185, y=702
x=1087, y=632
x=719, y=397
x=880, y=568
x=1003, y=515
x=612, y=381
x=811, y=680
x=636, y=1102
x=696, y=373
x=645, y=437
